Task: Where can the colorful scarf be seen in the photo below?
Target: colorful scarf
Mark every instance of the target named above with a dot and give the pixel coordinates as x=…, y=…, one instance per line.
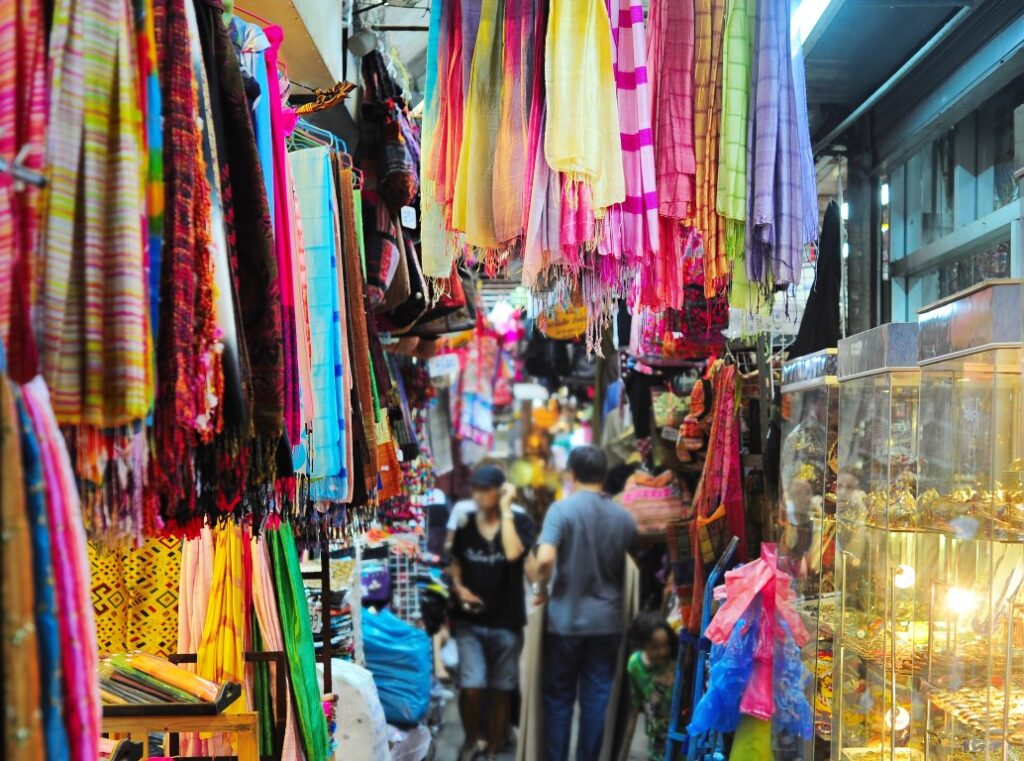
x=510, y=144
x=47, y=629
x=475, y=188
x=709, y=16
x=732, y=152
x=314, y=183
x=631, y=230
x=22, y=123
x=446, y=144
x=298, y=641
x=719, y=495
x=93, y=310
x=71, y=579
x=670, y=60
x=23, y=735
x=779, y=218
x=578, y=69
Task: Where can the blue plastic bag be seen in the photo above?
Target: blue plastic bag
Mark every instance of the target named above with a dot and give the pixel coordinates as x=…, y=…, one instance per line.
x=729, y=670
x=399, y=657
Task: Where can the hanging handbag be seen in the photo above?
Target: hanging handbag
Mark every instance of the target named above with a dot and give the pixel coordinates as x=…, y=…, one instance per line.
x=656, y=502
x=464, y=318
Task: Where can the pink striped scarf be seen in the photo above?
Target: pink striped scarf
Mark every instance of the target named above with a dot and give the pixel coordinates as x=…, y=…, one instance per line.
x=631, y=228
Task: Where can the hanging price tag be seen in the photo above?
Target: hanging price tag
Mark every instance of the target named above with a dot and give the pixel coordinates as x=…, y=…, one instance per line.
x=408, y=215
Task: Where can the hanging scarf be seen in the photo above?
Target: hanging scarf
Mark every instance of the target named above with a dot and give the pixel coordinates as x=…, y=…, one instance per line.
x=265, y=604
x=780, y=206
x=719, y=495
x=314, y=184
x=732, y=153
x=93, y=310
x=22, y=123
x=47, y=629
x=709, y=17
x=510, y=144
x=298, y=641
x=632, y=227
x=71, y=579
x=250, y=241
x=23, y=735
x=584, y=145
x=473, y=203
x=446, y=143
x=670, y=60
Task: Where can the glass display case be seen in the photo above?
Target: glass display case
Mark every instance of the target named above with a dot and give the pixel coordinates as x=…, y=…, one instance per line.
x=880, y=633
x=971, y=500
x=807, y=528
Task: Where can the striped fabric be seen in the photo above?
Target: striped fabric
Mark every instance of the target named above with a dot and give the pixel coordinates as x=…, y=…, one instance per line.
x=632, y=227
x=22, y=123
x=709, y=17
x=92, y=311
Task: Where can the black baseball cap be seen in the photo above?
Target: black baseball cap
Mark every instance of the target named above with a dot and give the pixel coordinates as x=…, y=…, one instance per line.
x=487, y=477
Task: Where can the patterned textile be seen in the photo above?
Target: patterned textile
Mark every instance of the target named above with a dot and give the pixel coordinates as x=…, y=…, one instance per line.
x=780, y=191
x=632, y=227
x=578, y=69
x=265, y=605
x=135, y=597
x=153, y=142
x=22, y=123
x=670, y=60
x=476, y=182
x=718, y=502
x=250, y=241
x=93, y=310
x=71, y=581
x=314, y=183
x=298, y=642
x=47, y=630
x=22, y=726
x=732, y=154
x=709, y=18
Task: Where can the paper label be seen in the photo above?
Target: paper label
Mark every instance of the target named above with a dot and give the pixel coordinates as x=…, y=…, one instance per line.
x=408, y=215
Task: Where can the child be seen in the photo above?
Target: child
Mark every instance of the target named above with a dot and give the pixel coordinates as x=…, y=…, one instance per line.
x=651, y=672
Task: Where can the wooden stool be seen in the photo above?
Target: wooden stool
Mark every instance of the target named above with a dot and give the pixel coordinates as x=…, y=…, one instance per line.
x=243, y=725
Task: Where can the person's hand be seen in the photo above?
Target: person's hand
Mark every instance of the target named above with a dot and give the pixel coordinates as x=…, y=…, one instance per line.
x=540, y=599
x=466, y=597
x=508, y=493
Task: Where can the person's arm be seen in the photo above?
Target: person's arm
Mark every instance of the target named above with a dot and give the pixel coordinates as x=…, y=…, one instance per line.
x=540, y=566
x=511, y=542
x=461, y=591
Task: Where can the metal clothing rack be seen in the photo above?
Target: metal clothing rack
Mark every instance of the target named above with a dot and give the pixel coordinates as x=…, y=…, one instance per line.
x=696, y=749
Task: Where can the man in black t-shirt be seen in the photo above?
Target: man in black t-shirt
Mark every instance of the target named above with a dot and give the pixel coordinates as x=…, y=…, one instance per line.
x=488, y=552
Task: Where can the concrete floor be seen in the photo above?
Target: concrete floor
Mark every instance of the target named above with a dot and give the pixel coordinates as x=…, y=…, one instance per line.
x=450, y=740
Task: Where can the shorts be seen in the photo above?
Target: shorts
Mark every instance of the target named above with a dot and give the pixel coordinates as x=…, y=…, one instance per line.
x=488, y=657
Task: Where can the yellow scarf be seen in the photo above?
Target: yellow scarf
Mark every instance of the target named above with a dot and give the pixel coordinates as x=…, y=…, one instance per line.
x=581, y=138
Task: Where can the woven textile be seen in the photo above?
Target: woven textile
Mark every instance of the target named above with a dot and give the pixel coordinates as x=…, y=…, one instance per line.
x=583, y=143
x=475, y=184
x=732, y=153
x=22, y=123
x=781, y=191
x=135, y=597
x=632, y=227
x=670, y=60
x=71, y=579
x=93, y=310
x=23, y=730
x=709, y=19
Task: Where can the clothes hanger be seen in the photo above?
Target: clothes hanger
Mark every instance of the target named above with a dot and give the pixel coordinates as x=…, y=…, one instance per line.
x=252, y=15
x=326, y=98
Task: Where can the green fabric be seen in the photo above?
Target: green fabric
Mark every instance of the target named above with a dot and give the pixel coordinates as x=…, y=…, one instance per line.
x=298, y=642
x=650, y=690
x=262, y=699
x=732, y=148
x=753, y=740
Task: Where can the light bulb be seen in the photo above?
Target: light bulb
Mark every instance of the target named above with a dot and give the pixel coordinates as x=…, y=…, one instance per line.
x=902, y=719
x=904, y=577
x=961, y=601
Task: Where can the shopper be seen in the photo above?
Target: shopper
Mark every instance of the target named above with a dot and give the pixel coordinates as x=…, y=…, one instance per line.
x=488, y=552
x=580, y=564
x=651, y=673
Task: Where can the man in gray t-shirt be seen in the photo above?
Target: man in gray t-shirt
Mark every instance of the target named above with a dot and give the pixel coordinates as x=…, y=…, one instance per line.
x=579, y=566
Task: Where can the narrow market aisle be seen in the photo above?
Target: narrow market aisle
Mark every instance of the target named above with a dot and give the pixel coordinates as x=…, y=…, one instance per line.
x=450, y=740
